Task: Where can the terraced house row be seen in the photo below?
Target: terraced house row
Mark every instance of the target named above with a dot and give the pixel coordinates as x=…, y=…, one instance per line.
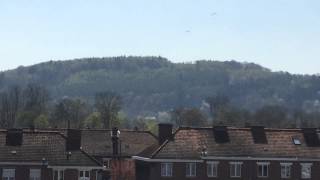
x=219, y=152
x=224, y=153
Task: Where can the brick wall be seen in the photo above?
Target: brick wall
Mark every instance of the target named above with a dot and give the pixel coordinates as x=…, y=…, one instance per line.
x=249, y=171
x=123, y=169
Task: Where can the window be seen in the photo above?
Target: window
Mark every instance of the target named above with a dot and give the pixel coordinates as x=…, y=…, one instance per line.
x=212, y=168
x=285, y=170
x=58, y=175
x=107, y=163
x=191, y=169
x=35, y=174
x=306, y=170
x=235, y=169
x=263, y=169
x=8, y=174
x=296, y=141
x=84, y=175
x=166, y=169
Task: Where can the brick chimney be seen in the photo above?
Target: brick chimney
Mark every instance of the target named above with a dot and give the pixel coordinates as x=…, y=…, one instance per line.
x=14, y=137
x=73, y=140
x=115, y=141
x=165, y=132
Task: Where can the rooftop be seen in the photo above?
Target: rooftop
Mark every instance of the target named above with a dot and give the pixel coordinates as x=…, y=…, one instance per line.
x=42, y=144
x=98, y=142
x=190, y=142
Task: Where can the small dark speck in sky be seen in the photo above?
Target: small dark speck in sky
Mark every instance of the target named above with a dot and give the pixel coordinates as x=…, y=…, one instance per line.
x=213, y=14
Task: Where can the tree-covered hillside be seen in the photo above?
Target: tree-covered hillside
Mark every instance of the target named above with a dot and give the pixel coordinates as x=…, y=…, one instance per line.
x=148, y=85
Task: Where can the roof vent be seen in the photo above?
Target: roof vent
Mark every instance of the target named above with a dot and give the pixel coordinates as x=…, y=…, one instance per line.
x=221, y=134
x=14, y=137
x=259, y=135
x=311, y=137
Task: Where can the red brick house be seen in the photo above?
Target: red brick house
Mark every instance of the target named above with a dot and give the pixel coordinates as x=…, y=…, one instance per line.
x=45, y=155
x=222, y=153
x=116, y=151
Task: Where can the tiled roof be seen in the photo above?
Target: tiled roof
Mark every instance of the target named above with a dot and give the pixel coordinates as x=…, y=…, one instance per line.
x=189, y=143
x=37, y=145
x=98, y=142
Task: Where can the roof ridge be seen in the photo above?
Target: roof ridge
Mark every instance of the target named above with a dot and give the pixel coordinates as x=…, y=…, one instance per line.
x=239, y=128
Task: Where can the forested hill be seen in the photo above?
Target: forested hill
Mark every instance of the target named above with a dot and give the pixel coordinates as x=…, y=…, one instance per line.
x=152, y=84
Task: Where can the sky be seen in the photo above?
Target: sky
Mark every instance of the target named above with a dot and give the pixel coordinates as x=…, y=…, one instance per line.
x=278, y=34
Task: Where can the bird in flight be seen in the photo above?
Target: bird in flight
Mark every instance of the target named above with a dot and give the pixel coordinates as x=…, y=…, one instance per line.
x=213, y=14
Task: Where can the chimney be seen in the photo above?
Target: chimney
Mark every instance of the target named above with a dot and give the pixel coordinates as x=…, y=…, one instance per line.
x=115, y=141
x=73, y=140
x=221, y=134
x=259, y=135
x=14, y=137
x=165, y=132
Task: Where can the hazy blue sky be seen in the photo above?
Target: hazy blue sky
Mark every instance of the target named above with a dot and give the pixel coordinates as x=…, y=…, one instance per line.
x=279, y=34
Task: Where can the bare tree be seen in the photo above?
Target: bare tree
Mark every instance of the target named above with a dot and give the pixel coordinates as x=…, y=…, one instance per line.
x=218, y=105
x=70, y=112
x=9, y=106
x=108, y=104
x=35, y=98
x=4, y=111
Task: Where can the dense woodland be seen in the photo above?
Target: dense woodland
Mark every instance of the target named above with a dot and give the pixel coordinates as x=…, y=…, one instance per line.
x=140, y=91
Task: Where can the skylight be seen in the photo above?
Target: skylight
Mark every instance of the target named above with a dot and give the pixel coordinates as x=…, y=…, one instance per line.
x=296, y=141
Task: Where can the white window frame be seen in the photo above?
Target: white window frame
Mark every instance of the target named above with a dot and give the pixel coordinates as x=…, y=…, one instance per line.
x=166, y=169
x=107, y=162
x=212, y=168
x=84, y=177
x=285, y=170
x=60, y=174
x=235, y=167
x=191, y=169
x=35, y=174
x=263, y=165
x=8, y=174
x=306, y=167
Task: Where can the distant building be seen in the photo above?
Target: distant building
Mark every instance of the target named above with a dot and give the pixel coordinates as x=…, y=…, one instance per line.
x=224, y=153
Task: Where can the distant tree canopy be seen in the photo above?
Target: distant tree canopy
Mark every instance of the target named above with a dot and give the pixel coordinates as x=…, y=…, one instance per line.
x=234, y=92
x=108, y=104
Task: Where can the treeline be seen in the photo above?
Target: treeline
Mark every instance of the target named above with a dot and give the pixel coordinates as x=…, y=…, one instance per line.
x=32, y=107
x=150, y=85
